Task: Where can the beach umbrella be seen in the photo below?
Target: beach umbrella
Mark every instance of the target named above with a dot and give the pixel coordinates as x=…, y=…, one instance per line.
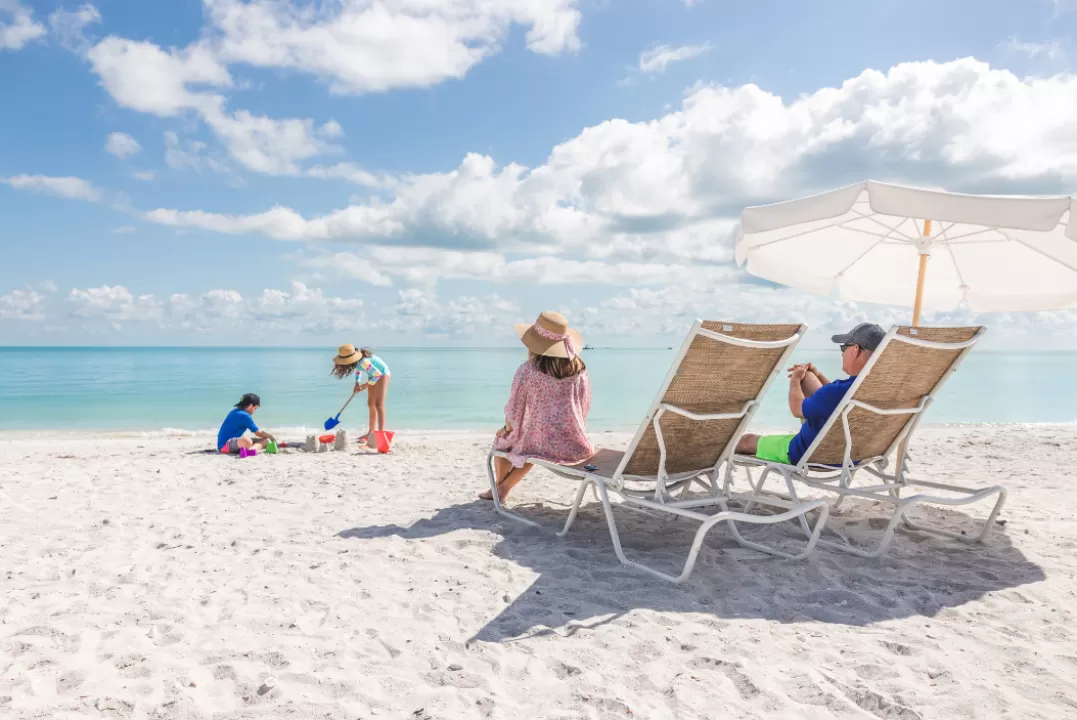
x=881, y=243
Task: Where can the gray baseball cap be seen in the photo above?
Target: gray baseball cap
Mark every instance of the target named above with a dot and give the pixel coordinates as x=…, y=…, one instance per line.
x=865, y=335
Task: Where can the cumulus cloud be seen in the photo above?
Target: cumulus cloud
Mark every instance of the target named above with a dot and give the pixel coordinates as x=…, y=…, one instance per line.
x=71, y=187
x=645, y=185
x=146, y=175
x=17, y=25
x=352, y=45
x=69, y=27
x=22, y=305
x=419, y=310
x=143, y=77
x=660, y=57
x=299, y=309
x=122, y=145
x=356, y=46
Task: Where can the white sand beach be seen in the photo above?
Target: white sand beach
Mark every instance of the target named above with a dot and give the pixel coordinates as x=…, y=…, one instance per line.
x=141, y=578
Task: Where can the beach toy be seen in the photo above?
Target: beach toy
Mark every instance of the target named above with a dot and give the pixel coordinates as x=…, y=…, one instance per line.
x=384, y=439
x=334, y=421
x=271, y=448
x=327, y=439
x=245, y=453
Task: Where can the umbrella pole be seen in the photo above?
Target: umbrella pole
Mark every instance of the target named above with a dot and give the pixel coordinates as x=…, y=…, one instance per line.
x=916, y=308
x=918, y=304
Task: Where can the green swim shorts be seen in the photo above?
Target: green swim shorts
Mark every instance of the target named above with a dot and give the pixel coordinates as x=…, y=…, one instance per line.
x=774, y=448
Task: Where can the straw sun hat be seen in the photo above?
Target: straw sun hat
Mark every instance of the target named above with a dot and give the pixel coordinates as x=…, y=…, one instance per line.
x=550, y=335
x=346, y=355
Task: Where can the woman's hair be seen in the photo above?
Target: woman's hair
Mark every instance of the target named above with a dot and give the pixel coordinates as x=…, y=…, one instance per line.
x=559, y=368
x=247, y=400
x=342, y=371
x=366, y=352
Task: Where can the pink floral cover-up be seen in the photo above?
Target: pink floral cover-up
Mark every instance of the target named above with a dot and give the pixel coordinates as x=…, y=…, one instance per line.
x=548, y=418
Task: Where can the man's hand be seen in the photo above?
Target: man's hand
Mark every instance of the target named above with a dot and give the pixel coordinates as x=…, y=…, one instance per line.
x=797, y=372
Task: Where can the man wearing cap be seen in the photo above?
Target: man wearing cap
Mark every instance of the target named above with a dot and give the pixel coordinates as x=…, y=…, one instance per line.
x=813, y=398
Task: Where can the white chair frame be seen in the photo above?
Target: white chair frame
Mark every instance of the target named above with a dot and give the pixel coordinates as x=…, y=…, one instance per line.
x=661, y=498
x=840, y=479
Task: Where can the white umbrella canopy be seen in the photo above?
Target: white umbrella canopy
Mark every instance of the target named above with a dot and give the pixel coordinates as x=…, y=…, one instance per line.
x=871, y=242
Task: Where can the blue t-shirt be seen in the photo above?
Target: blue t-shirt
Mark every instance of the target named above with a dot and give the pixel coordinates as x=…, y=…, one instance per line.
x=817, y=409
x=234, y=425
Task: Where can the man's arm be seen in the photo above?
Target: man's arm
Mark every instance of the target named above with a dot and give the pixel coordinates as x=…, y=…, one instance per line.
x=264, y=435
x=796, y=392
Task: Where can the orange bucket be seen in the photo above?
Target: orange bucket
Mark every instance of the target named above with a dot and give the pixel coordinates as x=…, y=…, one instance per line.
x=384, y=439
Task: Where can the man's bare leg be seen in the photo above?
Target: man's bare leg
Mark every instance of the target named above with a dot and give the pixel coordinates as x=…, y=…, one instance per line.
x=809, y=384
x=748, y=444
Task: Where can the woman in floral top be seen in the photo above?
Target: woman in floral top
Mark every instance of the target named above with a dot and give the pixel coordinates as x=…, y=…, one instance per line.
x=546, y=416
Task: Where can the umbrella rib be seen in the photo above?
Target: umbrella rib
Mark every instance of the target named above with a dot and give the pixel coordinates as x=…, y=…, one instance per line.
x=1036, y=250
x=890, y=230
x=858, y=259
x=802, y=233
x=957, y=268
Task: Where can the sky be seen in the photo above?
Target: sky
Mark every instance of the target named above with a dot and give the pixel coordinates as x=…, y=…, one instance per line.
x=428, y=172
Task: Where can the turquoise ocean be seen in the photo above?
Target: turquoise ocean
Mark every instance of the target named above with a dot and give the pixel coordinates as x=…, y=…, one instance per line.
x=154, y=389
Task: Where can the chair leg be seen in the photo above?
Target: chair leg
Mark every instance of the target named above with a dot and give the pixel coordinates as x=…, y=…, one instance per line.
x=576, y=505
x=498, y=507
x=904, y=506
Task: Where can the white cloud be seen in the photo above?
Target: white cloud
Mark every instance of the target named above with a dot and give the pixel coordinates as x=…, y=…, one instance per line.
x=22, y=305
x=143, y=77
x=299, y=309
x=351, y=173
x=680, y=181
x=124, y=230
x=146, y=175
x=660, y=57
x=354, y=45
x=71, y=187
x=190, y=155
x=17, y=25
x=382, y=265
x=423, y=311
x=49, y=286
x=357, y=46
x=122, y=145
x=265, y=145
x=1047, y=50
x=69, y=27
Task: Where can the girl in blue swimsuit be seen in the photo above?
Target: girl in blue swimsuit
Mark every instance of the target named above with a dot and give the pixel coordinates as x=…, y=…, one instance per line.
x=371, y=374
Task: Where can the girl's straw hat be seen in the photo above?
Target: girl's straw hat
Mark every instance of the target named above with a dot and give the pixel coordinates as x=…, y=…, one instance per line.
x=347, y=355
x=551, y=336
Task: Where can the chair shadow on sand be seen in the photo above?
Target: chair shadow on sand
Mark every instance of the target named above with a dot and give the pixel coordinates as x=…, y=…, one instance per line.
x=581, y=584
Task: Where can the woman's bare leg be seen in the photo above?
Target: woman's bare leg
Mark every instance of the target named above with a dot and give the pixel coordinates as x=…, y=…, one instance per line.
x=507, y=477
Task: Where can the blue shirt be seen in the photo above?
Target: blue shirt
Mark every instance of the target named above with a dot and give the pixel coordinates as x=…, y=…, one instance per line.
x=817, y=409
x=234, y=425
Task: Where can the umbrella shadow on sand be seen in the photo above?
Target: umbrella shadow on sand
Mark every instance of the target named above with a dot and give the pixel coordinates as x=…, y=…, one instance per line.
x=582, y=585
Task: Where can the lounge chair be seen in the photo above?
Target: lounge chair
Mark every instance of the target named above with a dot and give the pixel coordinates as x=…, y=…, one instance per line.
x=711, y=393
x=875, y=419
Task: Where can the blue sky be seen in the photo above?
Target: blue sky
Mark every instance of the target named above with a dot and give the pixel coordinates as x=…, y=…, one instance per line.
x=440, y=169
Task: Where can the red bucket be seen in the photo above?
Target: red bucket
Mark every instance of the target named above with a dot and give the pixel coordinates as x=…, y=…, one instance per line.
x=384, y=439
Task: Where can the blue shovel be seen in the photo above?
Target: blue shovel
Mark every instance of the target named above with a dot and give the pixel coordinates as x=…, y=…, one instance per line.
x=334, y=421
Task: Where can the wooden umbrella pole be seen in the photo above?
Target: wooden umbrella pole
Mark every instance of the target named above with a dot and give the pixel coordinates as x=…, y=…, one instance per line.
x=918, y=304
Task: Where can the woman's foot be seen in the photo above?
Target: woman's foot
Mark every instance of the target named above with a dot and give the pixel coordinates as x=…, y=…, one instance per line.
x=488, y=495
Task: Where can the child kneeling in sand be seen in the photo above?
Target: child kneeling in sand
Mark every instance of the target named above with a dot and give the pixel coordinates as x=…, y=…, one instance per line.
x=547, y=410
x=230, y=438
